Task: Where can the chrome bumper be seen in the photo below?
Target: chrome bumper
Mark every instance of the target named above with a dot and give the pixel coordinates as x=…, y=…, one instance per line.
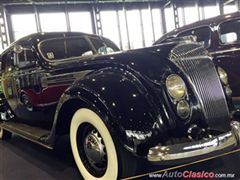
x=215, y=145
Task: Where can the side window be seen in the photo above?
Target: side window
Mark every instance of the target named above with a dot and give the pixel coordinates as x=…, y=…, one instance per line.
x=202, y=34
x=111, y=44
x=78, y=47
x=230, y=32
x=104, y=46
x=24, y=58
x=64, y=48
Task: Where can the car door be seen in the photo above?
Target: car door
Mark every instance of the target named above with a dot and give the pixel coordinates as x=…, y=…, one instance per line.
x=28, y=84
x=8, y=79
x=27, y=76
x=21, y=84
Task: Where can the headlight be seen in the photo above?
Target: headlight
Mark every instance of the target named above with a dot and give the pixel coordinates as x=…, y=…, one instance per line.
x=175, y=86
x=223, y=75
x=183, y=109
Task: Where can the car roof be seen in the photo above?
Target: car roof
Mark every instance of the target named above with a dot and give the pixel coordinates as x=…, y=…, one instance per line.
x=47, y=35
x=206, y=22
x=38, y=37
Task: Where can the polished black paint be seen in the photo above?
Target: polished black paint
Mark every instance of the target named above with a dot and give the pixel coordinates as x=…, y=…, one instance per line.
x=127, y=89
x=128, y=99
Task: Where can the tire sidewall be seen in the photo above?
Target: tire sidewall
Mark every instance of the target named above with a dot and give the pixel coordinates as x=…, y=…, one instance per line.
x=85, y=115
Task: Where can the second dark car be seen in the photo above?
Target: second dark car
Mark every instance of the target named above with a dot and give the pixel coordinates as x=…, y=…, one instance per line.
x=221, y=37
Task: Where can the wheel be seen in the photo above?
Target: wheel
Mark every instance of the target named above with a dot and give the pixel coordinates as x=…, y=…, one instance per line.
x=5, y=135
x=93, y=148
x=27, y=102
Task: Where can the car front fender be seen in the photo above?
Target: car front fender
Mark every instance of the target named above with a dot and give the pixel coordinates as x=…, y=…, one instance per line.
x=125, y=104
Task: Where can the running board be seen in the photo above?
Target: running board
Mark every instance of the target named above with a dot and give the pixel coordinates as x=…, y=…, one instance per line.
x=34, y=134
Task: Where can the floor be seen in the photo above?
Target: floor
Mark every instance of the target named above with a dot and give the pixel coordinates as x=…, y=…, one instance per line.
x=23, y=160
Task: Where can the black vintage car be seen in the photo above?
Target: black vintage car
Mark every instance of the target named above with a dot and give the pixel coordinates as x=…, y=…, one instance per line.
x=165, y=104
x=221, y=37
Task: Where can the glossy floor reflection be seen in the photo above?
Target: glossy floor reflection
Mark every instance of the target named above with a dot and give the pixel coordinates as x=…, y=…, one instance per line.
x=23, y=160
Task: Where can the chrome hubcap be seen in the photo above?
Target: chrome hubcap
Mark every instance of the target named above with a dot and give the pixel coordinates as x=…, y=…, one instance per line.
x=95, y=149
x=27, y=103
x=92, y=150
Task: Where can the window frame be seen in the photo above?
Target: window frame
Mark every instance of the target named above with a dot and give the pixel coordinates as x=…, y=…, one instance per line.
x=25, y=32
x=48, y=14
x=64, y=59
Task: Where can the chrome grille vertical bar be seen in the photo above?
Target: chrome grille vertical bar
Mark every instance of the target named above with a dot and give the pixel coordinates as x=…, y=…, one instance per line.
x=202, y=73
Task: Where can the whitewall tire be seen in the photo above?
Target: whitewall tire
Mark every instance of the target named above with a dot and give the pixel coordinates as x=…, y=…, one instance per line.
x=104, y=142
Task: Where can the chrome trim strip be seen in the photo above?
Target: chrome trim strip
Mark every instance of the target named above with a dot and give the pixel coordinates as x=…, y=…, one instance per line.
x=63, y=79
x=47, y=104
x=224, y=51
x=220, y=143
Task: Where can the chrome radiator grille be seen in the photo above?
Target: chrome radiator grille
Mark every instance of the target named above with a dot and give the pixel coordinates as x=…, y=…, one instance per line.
x=207, y=86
